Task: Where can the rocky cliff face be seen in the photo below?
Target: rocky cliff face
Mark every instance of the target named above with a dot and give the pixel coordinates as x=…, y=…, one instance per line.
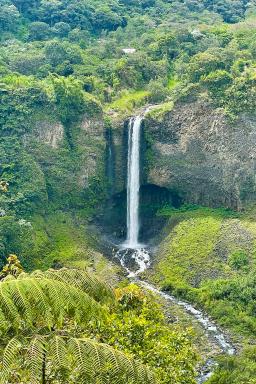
x=192, y=151
x=68, y=171
x=196, y=152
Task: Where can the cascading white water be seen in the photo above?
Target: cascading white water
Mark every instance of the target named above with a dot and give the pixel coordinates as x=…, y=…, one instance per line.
x=133, y=182
x=132, y=250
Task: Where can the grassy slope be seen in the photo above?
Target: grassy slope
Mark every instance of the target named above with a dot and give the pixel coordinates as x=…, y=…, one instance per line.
x=128, y=101
x=60, y=239
x=207, y=257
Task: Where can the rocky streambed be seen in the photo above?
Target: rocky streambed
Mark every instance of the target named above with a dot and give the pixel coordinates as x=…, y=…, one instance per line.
x=214, y=335
x=218, y=341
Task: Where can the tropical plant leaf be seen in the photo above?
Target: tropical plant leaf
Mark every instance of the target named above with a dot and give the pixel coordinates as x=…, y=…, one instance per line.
x=31, y=300
x=85, y=359
x=89, y=283
x=39, y=303
x=58, y=351
x=103, y=364
x=8, y=307
x=37, y=358
x=10, y=354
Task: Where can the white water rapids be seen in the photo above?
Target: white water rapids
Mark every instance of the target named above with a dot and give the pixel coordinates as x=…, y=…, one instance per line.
x=133, y=253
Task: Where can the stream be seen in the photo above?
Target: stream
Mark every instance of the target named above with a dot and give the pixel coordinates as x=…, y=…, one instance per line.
x=141, y=258
x=135, y=258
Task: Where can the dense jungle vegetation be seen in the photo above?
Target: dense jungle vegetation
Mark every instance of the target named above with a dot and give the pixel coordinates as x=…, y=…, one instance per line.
x=62, y=61
x=65, y=60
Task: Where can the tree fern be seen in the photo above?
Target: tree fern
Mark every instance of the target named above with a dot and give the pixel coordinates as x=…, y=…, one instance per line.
x=107, y=365
x=39, y=308
x=86, y=361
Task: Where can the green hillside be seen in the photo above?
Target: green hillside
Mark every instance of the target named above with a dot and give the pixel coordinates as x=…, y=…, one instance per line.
x=71, y=74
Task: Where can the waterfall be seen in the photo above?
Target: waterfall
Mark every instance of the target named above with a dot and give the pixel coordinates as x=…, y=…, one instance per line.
x=132, y=255
x=133, y=182
x=135, y=259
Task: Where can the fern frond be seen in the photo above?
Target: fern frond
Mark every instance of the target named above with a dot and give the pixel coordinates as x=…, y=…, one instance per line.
x=39, y=296
x=100, y=361
x=89, y=283
x=18, y=293
x=37, y=359
x=32, y=299
x=10, y=354
x=58, y=351
x=81, y=360
x=7, y=305
x=143, y=372
x=85, y=360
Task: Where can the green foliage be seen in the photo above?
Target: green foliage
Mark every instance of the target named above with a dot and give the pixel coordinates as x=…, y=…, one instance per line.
x=191, y=54
x=61, y=29
x=93, y=362
x=15, y=236
x=55, y=240
x=217, y=82
x=158, y=92
x=202, y=64
x=9, y=17
x=35, y=310
x=58, y=52
x=39, y=30
x=13, y=267
x=72, y=101
x=38, y=302
x=18, y=169
x=89, y=283
x=238, y=259
x=187, y=211
x=241, y=94
x=19, y=99
x=142, y=329
x=56, y=323
x=190, y=256
x=57, y=60
x=158, y=112
x=233, y=296
x=236, y=370
x=209, y=258
x=69, y=98
x=128, y=101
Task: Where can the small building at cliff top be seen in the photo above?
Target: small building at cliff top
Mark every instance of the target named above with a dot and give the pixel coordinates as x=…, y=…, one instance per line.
x=128, y=51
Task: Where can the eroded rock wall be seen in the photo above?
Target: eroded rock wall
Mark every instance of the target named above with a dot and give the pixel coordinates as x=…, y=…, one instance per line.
x=68, y=171
x=197, y=152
